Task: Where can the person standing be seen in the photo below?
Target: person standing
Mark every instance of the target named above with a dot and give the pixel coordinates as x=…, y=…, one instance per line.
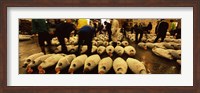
x=178, y=31
x=135, y=28
x=162, y=30
x=156, y=28
x=149, y=27
x=124, y=27
x=63, y=30
x=100, y=28
x=108, y=29
x=85, y=36
x=140, y=30
x=40, y=27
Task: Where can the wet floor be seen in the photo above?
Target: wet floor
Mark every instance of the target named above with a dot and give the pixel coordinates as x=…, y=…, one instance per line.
x=156, y=64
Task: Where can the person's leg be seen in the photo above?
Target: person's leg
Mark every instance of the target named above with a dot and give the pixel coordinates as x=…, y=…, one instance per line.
x=48, y=40
x=62, y=43
x=41, y=40
x=95, y=33
x=124, y=33
x=109, y=34
x=136, y=36
x=158, y=36
x=89, y=44
x=141, y=35
x=80, y=42
x=146, y=34
x=162, y=39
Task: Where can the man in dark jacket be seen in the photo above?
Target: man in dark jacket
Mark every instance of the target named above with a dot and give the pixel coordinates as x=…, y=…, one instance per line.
x=63, y=30
x=124, y=28
x=162, y=30
x=100, y=28
x=149, y=27
x=108, y=29
x=39, y=26
x=156, y=28
x=85, y=36
x=138, y=30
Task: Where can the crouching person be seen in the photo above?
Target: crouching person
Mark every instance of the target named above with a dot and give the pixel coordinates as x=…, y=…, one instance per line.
x=63, y=30
x=85, y=36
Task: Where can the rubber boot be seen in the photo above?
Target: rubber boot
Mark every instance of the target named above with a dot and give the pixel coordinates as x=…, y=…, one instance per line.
x=43, y=49
x=50, y=50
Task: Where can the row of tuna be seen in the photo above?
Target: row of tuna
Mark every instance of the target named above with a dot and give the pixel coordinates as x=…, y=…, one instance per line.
x=163, y=45
x=24, y=37
x=100, y=40
x=170, y=48
x=74, y=63
x=129, y=50
x=152, y=37
x=168, y=53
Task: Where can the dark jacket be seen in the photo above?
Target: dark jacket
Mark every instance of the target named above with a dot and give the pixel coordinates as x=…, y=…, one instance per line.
x=87, y=31
x=39, y=25
x=64, y=29
x=108, y=27
x=149, y=27
x=162, y=29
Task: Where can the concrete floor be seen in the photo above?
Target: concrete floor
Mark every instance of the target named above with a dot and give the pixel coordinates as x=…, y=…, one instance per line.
x=156, y=64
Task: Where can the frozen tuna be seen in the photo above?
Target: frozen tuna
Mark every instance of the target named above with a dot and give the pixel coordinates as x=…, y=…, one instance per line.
x=37, y=62
x=77, y=63
x=119, y=43
x=136, y=66
x=72, y=48
x=91, y=62
x=64, y=62
x=31, y=58
x=150, y=45
x=109, y=50
x=105, y=43
x=105, y=65
x=119, y=50
x=120, y=66
x=176, y=54
x=129, y=50
x=84, y=49
x=94, y=49
x=125, y=43
x=101, y=50
x=142, y=45
x=50, y=61
x=162, y=52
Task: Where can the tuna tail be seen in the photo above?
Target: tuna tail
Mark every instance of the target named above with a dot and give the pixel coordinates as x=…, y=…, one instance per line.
x=71, y=71
x=29, y=70
x=145, y=47
x=57, y=70
x=101, y=72
x=86, y=70
x=110, y=54
x=41, y=70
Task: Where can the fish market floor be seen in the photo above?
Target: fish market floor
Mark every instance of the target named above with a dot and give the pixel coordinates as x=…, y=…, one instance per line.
x=156, y=64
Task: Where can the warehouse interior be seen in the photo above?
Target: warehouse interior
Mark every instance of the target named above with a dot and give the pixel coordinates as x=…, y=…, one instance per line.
x=160, y=57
